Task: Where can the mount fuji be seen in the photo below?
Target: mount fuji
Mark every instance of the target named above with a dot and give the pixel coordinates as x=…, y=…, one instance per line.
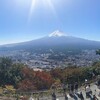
x=57, y=41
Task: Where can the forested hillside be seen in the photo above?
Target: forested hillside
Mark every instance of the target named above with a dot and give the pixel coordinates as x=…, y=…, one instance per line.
x=26, y=79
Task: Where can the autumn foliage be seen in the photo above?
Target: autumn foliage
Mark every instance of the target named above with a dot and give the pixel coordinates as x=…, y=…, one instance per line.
x=35, y=80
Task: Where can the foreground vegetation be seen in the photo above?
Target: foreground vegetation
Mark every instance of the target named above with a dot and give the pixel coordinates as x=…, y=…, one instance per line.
x=21, y=78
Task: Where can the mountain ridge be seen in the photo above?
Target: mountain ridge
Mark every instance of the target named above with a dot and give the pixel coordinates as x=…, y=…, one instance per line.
x=56, y=34
x=57, y=40
x=14, y=44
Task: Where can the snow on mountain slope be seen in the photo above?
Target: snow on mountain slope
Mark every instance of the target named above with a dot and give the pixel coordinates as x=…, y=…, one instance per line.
x=57, y=33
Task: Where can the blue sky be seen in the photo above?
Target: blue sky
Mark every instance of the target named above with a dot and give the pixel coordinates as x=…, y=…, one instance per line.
x=23, y=20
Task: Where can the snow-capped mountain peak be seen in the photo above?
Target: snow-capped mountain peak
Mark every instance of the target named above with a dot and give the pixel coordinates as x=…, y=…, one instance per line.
x=56, y=34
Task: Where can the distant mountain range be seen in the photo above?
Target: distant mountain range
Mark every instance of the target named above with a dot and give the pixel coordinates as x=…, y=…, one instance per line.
x=56, y=41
